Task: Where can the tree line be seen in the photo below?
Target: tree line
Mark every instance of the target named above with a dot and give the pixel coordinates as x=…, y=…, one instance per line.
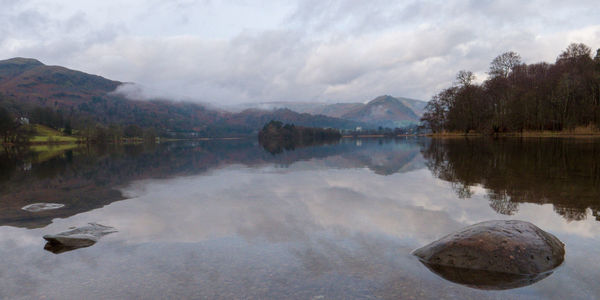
x=276, y=136
x=518, y=97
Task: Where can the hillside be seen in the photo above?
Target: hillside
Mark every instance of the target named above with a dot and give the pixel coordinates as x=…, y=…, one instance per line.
x=385, y=111
x=417, y=106
x=256, y=118
x=81, y=97
x=43, y=134
x=337, y=110
x=340, y=110
x=31, y=81
x=84, y=99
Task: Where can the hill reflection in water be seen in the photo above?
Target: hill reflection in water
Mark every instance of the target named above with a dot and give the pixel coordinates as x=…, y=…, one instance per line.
x=335, y=221
x=87, y=178
x=561, y=172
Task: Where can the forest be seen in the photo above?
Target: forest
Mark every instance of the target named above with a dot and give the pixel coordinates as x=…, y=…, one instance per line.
x=520, y=97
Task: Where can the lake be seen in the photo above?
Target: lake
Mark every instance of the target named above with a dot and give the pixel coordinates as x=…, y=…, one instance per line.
x=231, y=220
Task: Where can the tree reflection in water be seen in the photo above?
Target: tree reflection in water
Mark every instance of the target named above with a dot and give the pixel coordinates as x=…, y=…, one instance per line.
x=563, y=172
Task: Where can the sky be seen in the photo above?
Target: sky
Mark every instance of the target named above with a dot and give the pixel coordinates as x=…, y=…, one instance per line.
x=230, y=52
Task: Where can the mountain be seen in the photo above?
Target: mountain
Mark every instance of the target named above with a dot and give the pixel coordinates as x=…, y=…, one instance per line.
x=385, y=111
x=417, y=106
x=337, y=110
x=28, y=83
x=342, y=110
x=31, y=80
x=331, y=110
x=256, y=118
x=85, y=98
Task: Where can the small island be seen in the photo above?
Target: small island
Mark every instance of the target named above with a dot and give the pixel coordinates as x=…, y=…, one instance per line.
x=276, y=136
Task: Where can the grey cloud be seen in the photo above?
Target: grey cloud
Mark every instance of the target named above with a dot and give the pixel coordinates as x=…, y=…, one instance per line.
x=324, y=51
x=30, y=31
x=356, y=15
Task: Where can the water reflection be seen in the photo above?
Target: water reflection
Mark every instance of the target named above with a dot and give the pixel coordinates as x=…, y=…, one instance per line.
x=226, y=219
x=562, y=172
x=87, y=178
x=76, y=238
x=485, y=280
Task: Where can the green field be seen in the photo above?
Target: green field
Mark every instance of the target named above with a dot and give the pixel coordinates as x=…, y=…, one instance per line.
x=46, y=135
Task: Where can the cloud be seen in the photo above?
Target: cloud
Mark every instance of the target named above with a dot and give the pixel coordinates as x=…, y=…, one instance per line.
x=332, y=51
x=136, y=91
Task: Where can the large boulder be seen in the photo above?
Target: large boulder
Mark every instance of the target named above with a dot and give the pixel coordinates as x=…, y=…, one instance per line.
x=494, y=254
x=76, y=238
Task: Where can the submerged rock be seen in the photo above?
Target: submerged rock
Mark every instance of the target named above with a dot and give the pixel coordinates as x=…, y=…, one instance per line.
x=485, y=280
x=36, y=207
x=494, y=255
x=77, y=238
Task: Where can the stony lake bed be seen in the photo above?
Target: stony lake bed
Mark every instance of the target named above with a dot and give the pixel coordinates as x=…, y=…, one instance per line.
x=229, y=220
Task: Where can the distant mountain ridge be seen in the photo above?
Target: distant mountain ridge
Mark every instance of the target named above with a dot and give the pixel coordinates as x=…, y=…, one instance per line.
x=385, y=111
x=27, y=83
x=257, y=118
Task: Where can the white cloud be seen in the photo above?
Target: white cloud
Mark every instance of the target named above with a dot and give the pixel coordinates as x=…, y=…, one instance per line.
x=247, y=51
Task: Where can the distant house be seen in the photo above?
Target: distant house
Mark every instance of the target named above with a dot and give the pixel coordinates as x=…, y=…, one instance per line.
x=182, y=134
x=22, y=121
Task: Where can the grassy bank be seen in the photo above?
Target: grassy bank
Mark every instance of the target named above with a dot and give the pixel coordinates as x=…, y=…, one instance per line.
x=45, y=135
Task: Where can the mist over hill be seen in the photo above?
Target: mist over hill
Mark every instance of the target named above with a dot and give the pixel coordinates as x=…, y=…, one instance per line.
x=84, y=99
x=385, y=111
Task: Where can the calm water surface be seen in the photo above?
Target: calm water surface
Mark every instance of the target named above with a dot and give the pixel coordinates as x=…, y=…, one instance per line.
x=227, y=219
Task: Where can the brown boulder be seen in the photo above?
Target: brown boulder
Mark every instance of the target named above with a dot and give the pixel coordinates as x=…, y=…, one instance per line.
x=496, y=250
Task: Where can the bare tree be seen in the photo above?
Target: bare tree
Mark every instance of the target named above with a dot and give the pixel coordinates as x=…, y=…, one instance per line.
x=465, y=78
x=518, y=97
x=575, y=51
x=504, y=63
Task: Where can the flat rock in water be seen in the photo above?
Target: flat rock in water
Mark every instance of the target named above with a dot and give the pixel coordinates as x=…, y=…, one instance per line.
x=494, y=254
x=36, y=207
x=77, y=238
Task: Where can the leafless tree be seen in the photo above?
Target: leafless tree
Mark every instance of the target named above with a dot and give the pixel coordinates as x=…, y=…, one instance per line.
x=504, y=63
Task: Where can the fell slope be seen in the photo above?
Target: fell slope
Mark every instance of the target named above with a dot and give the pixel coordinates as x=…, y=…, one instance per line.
x=27, y=83
x=385, y=111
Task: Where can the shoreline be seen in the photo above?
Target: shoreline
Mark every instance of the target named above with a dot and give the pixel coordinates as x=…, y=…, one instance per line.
x=527, y=134
x=380, y=136
x=126, y=141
